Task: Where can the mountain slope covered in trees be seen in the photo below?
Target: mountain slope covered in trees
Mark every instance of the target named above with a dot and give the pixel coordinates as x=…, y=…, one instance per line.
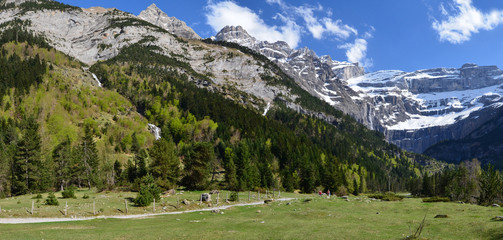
x=58, y=121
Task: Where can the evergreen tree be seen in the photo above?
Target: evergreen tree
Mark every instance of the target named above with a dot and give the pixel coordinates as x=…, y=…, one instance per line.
x=148, y=191
x=165, y=164
x=197, y=165
x=118, y=172
x=141, y=163
x=230, y=169
x=427, y=186
x=131, y=171
x=490, y=186
x=27, y=161
x=89, y=157
x=62, y=156
x=356, y=190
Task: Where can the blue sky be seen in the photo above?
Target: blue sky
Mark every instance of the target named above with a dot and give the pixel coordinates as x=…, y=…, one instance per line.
x=390, y=34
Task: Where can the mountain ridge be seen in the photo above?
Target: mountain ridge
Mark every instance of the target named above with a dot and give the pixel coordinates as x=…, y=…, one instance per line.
x=399, y=104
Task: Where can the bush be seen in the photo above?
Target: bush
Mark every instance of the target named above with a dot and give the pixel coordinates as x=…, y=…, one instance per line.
x=342, y=191
x=389, y=196
x=39, y=196
x=69, y=193
x=51, y=200
x=436, y=199
x=234, y=197
x=148, y=192
x=85, y=196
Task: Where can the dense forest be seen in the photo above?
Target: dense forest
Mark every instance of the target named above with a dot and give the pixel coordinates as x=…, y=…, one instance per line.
x=468, y=182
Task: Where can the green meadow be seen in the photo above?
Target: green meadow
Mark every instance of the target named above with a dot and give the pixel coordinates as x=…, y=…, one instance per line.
x=305, y=217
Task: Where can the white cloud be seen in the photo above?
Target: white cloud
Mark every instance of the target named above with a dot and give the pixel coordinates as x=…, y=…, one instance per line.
x=318, y=27
x=459, y=27
x=338, y=29
x=357, y=52
x=312, y=23
x=226, y=13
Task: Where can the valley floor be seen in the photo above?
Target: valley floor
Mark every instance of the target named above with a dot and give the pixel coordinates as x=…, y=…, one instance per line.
x=319, y=218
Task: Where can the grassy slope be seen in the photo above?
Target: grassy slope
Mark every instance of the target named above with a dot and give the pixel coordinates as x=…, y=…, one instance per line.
x=67, y=99
x=320, y=218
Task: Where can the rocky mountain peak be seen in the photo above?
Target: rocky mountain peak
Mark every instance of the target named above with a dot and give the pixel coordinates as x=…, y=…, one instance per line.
x=156, y=16
x=236, y=34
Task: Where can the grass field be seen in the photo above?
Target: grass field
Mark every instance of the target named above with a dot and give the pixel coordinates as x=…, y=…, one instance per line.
x=320, y=218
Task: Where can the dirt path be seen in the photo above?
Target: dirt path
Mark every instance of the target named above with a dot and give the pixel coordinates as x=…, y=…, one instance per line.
x=46, y=220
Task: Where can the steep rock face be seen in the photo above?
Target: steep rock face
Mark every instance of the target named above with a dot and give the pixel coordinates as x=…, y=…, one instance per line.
x=159, y=18
x=484, y=143
x=320, y=76
x=419, y=109
x=98, y=34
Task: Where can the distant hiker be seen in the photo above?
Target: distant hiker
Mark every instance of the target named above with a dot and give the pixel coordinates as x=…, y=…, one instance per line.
x=328, y=193
x=320, y=193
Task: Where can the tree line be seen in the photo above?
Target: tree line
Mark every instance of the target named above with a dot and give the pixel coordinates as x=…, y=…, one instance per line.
x=468, y=182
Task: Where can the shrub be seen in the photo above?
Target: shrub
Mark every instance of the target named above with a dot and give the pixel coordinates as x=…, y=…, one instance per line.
x=85, y=196
x=436, y=199
x=234, y=197
x=51, y=200
x=389, y=196
x=69, y=193
x=342, y=191
x=39, y=196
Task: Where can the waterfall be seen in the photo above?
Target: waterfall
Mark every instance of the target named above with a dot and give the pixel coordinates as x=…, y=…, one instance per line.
x=267, y=108
x=97, y=80
x=155, y=130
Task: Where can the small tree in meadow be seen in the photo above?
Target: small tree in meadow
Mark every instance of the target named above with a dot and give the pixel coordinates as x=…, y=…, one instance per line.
x=51, y=200
x=148, y=191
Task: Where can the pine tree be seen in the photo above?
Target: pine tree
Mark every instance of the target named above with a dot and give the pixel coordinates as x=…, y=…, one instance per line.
x=117, y=171
x=165, y=163
x=356, y=190
x=230, y=169
x=197, y=165
x=62, y=156
x=27, y=161
x=89, y=157
x=141, y=163
x=490, y=186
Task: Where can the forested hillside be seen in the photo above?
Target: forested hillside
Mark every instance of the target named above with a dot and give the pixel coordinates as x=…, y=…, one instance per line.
x=57, y=120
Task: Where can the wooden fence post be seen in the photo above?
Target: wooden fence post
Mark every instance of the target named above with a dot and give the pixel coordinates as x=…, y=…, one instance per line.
x=32, y=206
x=66, y=208
x=248, y=196
x=226, y=196
x=177, y=202
x=125, y=204
x=258, y=195
x=218, y=197
x=94, y=207
x=154, y=204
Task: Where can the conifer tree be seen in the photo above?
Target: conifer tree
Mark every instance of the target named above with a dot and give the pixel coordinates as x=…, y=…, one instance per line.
x=62, y=156
x=89, y=157
x=197, y=165
x=230, y=169
x=27, y=161
x=490, y=186
x=165, y=163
